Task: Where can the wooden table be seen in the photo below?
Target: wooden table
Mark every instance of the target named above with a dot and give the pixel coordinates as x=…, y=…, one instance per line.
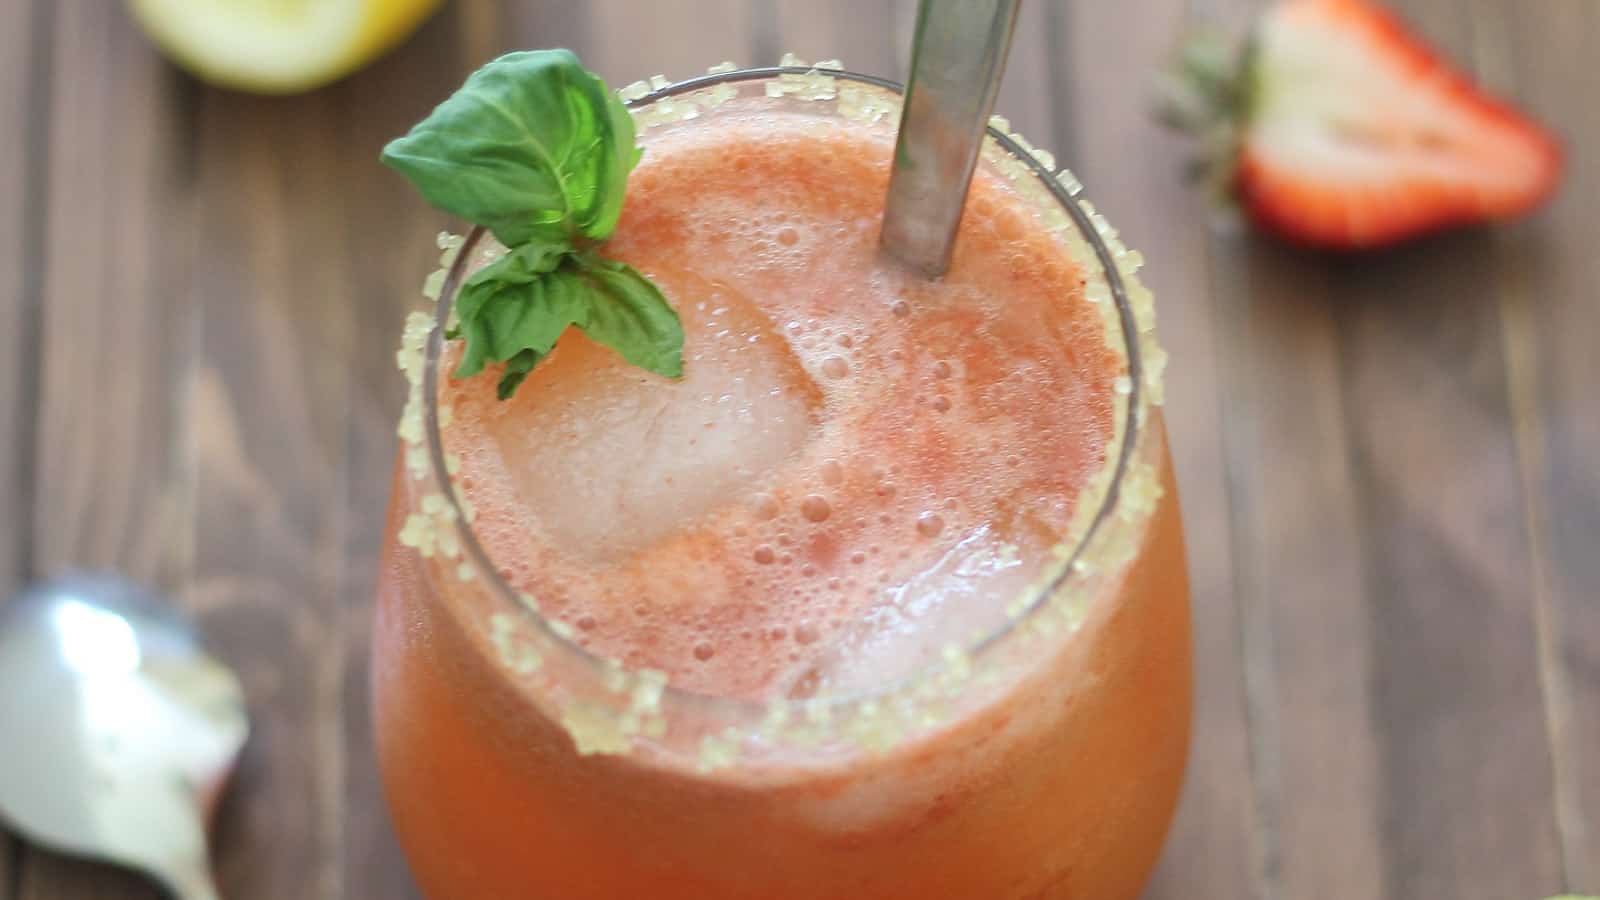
x=1390, y=464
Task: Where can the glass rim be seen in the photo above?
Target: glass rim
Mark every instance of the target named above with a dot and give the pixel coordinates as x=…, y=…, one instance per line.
x=1037, y=598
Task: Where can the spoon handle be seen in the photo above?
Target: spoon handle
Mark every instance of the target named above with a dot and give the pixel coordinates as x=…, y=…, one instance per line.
x=957, y=60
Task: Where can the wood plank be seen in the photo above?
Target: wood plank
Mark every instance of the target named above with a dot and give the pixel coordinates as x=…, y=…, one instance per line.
x=21, y=159
x=1372, y=768
x=115, y=270
x=1102, y=59
x=1454, y=677
x=1546, y=273
x=1391, y=758
x=1298, y=570
x=1282, y=418
x=1467, y=808
x=267, y=431
x=112, y=345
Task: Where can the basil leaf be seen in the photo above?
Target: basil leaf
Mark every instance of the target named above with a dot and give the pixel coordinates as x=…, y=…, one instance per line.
x=513, y=313
x=533, y=147
x=517, y=368
x=629, y=314
x=519, y=302
x=522, y=265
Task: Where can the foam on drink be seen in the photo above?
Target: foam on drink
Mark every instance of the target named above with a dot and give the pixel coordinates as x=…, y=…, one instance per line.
x=859, y=467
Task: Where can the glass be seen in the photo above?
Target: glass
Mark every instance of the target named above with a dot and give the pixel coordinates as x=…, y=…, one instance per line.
x=1039, y=759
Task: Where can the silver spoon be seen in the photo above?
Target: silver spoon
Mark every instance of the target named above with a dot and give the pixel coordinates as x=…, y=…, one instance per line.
x=957, y=60
x=117, y=733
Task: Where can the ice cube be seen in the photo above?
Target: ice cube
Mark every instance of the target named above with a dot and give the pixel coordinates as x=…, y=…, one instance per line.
x=609, y=458
x=956, y=600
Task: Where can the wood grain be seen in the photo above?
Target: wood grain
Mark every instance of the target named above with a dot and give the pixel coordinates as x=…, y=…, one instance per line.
x=1545, y=281
x=1391, y=757
x=269, y=281
x=1465, y=782
x=20, y=164
x=114, y=344
x=1299, y=575
x=1296, y=565
x=21, y=112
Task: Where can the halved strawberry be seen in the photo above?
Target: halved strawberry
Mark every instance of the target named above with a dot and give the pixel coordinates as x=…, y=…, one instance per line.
x=1339, y=128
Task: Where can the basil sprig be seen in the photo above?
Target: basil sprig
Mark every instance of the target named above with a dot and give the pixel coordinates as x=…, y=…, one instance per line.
x=537, y=149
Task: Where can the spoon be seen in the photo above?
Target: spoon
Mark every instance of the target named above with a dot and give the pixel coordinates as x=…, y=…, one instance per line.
x=957, y=59
x=117, y=732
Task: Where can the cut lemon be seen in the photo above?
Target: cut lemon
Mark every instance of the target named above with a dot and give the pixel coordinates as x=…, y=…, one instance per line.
x=277, y=46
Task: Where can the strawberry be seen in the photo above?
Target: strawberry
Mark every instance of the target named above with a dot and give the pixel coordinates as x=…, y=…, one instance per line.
x=1338, y=128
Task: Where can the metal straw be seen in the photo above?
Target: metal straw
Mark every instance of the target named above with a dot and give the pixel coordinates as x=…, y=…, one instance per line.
x=957, y=60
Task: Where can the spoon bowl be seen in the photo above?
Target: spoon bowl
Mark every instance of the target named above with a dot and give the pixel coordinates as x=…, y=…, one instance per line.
x=118, y=731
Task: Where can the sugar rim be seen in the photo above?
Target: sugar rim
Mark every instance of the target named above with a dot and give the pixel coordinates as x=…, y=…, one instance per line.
x=1062, y=187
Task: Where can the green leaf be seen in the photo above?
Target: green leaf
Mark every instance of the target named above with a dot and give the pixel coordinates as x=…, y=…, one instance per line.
x=520, y=302
x=631, y=316
x=517, y=368
x=534, y=147
x=514, y=310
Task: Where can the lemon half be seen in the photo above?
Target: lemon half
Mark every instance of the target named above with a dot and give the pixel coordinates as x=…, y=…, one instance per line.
x=277, y=46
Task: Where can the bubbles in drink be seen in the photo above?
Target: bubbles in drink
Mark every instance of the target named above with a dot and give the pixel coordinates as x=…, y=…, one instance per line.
x=815, y=508
x=805, y=686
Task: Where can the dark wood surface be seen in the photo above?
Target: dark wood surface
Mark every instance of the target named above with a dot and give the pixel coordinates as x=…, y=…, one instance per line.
x=1390, y=465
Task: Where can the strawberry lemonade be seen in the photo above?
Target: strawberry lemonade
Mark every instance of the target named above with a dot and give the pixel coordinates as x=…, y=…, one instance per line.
x=883, y=598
